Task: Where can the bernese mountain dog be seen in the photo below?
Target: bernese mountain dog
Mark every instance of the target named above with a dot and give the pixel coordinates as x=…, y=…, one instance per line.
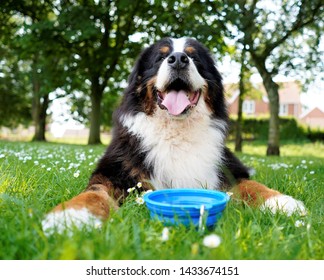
x=169, y=132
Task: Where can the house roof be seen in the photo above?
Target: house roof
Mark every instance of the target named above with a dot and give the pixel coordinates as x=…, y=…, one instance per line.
x=313, y=113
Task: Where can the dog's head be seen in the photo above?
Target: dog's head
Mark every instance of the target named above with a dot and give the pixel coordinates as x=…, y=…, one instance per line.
x=175, y=75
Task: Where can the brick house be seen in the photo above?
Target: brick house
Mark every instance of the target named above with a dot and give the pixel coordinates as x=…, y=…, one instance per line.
x=258, y=105
x=313, y=118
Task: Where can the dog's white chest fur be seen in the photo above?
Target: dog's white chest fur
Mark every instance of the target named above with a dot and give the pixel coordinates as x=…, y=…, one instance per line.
x=184, y=153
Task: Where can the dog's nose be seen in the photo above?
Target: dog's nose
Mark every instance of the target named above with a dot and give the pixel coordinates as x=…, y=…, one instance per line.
x=178, y=60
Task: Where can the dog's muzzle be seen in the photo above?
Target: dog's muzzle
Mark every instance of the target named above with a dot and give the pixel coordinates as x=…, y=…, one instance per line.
x=177, y=91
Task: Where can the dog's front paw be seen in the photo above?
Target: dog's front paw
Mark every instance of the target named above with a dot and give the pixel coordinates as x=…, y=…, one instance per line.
x=67, y=219
x=87, y=209
x=285, y=204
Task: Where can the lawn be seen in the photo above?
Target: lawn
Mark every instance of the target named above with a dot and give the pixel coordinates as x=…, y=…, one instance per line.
x=36, y=177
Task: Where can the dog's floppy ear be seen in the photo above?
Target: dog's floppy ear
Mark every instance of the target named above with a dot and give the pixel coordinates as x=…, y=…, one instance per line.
x=136, y=75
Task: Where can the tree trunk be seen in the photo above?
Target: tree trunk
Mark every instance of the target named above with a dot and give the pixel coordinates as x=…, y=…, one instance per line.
x=274, y=133
x=239, y=122
x=39, y=115
x=273, y=95
x=95, y=115
x=39, y=106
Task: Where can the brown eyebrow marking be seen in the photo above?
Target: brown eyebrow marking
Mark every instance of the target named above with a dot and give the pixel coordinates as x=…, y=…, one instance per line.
x=190, y=50
x=164, y=49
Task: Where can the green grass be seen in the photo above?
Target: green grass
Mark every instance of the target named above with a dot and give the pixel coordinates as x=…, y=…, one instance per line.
x=35, y=177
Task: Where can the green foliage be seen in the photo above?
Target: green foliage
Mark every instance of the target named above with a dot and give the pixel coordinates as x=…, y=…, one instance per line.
x=290, y=129
x=15, y=107
x=257, y=129
x=35, y=177
x=286, y=34
x=315, y=134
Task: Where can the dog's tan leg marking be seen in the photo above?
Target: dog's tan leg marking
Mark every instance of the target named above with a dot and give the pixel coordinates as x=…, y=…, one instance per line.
x=257, y=194
x=90, y=207
x=96, y=200
x=252, y=192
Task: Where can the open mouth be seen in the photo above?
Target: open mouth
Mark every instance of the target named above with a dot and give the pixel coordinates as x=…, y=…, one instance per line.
x=178, y=98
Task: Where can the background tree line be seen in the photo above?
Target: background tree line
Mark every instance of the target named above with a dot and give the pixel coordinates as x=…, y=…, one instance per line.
x=86, y=48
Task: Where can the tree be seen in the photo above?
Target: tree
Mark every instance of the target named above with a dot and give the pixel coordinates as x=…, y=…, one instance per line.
x=242, y=90
x=96, y=33
x=14, y=106
x=270, y=29
x=34, y=44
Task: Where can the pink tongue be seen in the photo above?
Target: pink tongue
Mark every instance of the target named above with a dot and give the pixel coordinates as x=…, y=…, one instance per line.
x=176, y=102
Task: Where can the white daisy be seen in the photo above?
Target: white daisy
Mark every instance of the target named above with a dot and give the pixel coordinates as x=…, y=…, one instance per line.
x=212, y=241
x=165, y=234
x=130, y=190
x=139, y=200
x=299, y=223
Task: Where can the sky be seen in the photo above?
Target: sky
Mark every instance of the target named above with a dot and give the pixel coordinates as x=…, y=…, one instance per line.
x=314, y=97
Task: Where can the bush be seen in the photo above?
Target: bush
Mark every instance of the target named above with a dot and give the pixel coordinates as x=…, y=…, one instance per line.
x=315, y=134
x=290, y=129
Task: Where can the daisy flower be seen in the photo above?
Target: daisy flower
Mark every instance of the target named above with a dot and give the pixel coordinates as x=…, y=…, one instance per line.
x=165, y=234
x=299, y=223
x=212, y=241
x=139, y=200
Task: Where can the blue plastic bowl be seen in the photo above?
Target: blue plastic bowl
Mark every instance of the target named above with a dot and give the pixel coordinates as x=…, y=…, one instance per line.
x=182, y=206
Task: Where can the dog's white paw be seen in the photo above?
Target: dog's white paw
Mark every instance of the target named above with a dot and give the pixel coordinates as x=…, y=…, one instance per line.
x=285, y=204
x=60, y=221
